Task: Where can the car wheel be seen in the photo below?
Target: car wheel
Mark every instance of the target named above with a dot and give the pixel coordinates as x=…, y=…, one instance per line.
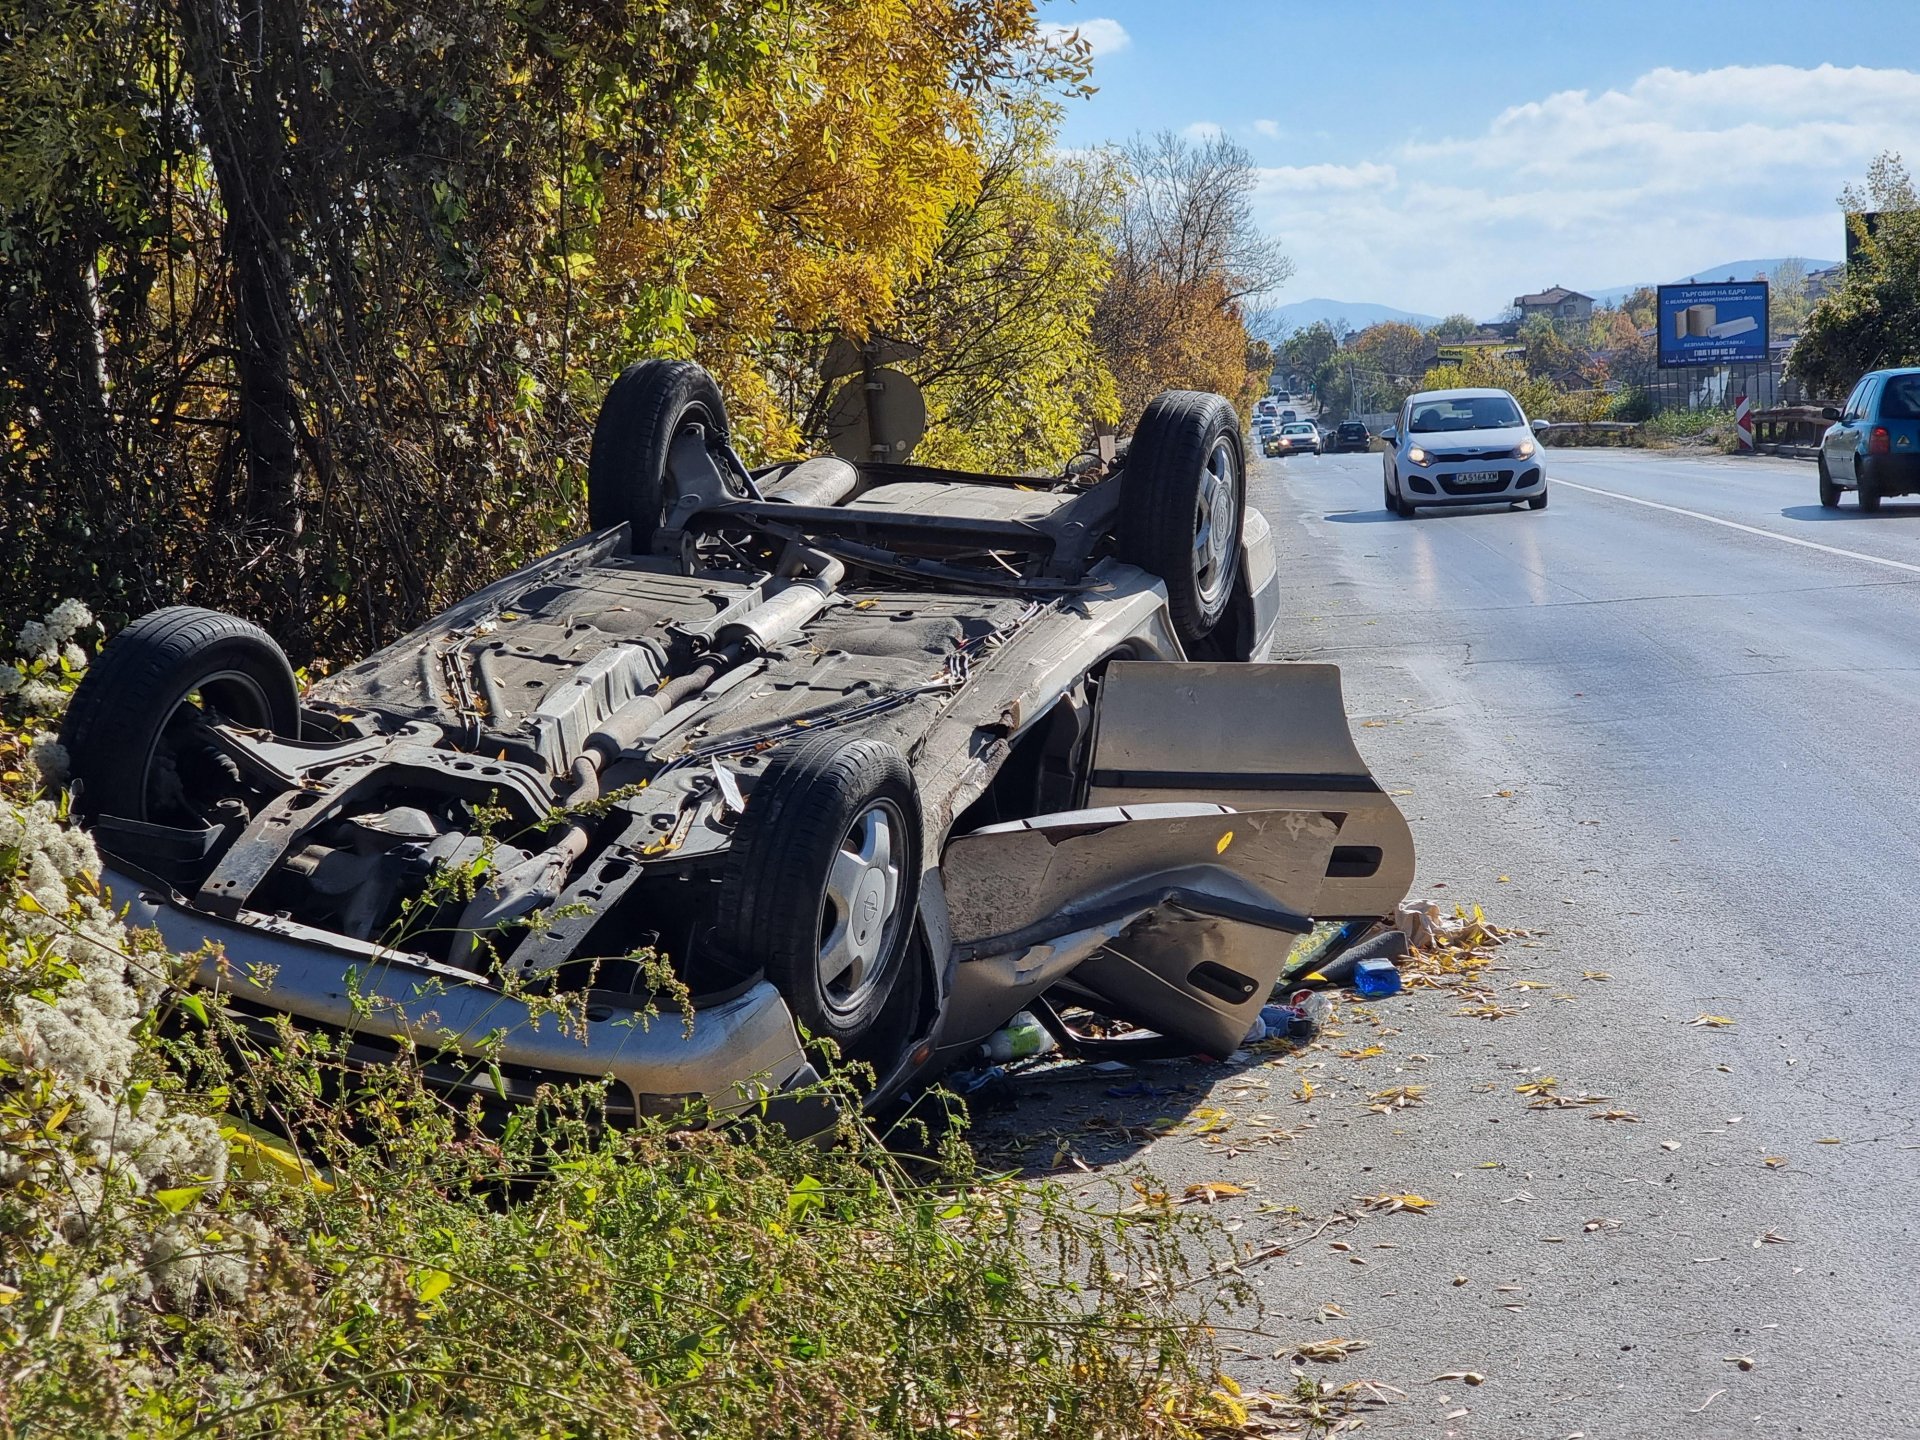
x=652, y=405
x=131, y=733
x=1183, y=498
x=1829, y=492
x=1868, y=491
x=1386, y=494
x=822, y=882
x=1538, y=502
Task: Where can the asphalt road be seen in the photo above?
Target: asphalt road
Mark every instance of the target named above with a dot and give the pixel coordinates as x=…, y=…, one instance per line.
x=1668, y=724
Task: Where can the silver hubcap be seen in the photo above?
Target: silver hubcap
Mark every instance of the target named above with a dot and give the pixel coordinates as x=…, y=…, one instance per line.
x=861, y=918
x=1213, y=523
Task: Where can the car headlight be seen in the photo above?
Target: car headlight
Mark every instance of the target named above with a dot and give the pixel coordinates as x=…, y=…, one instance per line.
x=1524, y=450
x=1417, y=455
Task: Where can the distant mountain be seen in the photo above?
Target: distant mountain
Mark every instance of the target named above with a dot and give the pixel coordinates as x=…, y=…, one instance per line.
x=1299, y=314
x=1738, y=269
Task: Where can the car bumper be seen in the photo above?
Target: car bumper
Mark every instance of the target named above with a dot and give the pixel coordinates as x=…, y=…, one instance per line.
x=1891, y=474
x=1443, y=485
x=735, y=1053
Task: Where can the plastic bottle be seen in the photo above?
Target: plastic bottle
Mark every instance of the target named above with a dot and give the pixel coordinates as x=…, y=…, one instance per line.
x=1376, y=977
x=1021, y=1037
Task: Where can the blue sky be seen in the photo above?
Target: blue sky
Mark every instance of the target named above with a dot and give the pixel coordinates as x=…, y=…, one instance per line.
x=1445, y=155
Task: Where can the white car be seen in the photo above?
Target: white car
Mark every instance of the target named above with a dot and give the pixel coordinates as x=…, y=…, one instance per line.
x=1462, y=447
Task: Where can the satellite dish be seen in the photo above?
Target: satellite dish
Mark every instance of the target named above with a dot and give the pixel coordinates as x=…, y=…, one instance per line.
x=881, y=423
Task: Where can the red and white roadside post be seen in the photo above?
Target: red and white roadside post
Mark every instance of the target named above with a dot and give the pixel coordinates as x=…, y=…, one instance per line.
x=1743, y=421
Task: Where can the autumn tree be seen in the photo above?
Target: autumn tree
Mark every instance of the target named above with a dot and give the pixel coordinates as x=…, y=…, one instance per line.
x=1873, y=318
x=1188, y=258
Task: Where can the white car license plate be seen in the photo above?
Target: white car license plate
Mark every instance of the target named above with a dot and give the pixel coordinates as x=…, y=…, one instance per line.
x=1477, y=477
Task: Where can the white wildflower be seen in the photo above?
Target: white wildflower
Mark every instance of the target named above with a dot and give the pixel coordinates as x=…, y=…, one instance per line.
x=36, y=641
x=68, y=619
x=75, y=657
x=121, y=1140
x=49, y=760
x=38, y=695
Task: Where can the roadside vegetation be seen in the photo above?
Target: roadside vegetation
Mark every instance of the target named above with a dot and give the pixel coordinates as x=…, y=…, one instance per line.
x=212, y=1228
x=1872, y=320
x=305, y=309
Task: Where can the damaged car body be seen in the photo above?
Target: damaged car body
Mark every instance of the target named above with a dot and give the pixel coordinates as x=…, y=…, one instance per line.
x=868, y=753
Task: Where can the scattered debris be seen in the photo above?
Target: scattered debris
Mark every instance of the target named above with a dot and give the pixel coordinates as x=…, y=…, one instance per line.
x=1717, y=1022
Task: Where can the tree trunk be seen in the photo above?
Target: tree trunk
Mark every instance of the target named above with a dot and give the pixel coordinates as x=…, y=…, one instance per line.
x=230, y=48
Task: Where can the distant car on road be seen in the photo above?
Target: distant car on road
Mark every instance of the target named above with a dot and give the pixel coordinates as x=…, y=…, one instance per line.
x=1873, y=446
x=1288, y=415
x=1302, y=437
x=1349, y=436
x=1461, y=447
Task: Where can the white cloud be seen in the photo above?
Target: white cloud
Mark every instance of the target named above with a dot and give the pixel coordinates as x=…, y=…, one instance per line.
x=1268, y=128
x=1103, y=36
x=1201, y=131
x=1677, y=170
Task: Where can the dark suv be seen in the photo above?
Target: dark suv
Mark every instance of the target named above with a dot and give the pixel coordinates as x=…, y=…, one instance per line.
x=1350, y=436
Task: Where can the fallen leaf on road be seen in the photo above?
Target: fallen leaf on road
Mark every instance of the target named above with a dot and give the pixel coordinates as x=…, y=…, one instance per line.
x=1745, y=1362
x=1470, y=1377
x=1718, y=1022
x=1769, y=1237
x=1669, y=1144
x=1212, y=1190
x=1505, y=880
x=1323, y=1352
x=1458, y=1281
x=1595, y=975
x=1626, y=1115
x=1365, y=1052
x=1541, y=1086
x=1531, y=985
x=1304, y=1091
x=1774, y=1162
x=1398, y=1098
x=1603, y=1223
x=1390, y=1203
x=1829, y=1140
x=1488, y=1010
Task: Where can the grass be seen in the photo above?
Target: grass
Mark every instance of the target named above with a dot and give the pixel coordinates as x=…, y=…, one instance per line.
x=210, y=1230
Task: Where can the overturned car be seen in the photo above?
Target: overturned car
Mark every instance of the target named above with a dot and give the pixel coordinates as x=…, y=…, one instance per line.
x=872, y=754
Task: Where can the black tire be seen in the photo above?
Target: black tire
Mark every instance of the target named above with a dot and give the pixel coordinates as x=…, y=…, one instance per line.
x=123, y=730
x=1829, y=492
x=1185, y=483
x=1867, y=489
x=645, y=409
x=781, y=905
x=1538, y=502
x=1386, y=495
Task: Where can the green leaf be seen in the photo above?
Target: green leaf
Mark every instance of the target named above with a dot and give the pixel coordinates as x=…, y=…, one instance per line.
x=806, y=1196
x=194, y=1005
x=174, y=1201
x=430, y=1284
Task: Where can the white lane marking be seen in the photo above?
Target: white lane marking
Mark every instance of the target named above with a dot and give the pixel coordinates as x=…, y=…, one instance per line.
x=1749, y=529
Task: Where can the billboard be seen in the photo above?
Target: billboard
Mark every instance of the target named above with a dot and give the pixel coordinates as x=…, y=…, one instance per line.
x=1722, y=324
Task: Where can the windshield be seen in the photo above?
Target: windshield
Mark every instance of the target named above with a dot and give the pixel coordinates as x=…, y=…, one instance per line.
x=1301, y=429
x=1465, y=412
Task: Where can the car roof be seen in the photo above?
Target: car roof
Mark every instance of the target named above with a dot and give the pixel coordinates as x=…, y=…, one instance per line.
x=1467, y=393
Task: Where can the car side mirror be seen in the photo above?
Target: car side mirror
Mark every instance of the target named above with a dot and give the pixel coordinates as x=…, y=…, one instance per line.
x=1390, y=434
x=1827, y=412
x=1538, y=426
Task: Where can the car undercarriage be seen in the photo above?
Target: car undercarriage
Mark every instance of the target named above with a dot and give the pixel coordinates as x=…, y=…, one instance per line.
x=812, y=764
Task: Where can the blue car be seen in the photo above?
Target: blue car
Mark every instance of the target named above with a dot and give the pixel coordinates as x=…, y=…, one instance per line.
x=1873, y=446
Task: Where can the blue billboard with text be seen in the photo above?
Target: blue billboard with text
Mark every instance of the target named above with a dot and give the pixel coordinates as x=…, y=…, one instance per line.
x=1722, y=324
